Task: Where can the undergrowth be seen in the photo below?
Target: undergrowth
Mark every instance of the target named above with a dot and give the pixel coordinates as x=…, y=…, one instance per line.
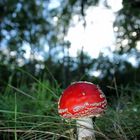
x=30, y=113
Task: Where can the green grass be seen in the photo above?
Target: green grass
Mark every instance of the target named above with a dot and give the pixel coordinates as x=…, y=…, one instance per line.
x=15, y=133
x=30, y=113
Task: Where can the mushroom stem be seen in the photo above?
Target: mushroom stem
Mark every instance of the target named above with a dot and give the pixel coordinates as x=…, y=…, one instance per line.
x=85, y=129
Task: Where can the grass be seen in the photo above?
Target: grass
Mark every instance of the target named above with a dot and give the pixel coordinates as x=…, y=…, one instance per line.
x=15, y=132
x=31, y=114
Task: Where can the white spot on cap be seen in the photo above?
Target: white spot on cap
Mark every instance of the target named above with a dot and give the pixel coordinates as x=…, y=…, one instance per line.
x=83, y=93
x=102, y=95
x=62, y=110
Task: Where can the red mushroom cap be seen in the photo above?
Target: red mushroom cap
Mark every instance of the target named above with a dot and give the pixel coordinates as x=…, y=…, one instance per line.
x=81, y=99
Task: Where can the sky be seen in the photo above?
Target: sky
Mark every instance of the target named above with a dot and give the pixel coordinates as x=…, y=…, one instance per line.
x=98, y=33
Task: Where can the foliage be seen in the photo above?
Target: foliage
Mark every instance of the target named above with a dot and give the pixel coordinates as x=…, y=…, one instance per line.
x=44, y=26
x=32, y=114
x=128, y=25
x=35, y=22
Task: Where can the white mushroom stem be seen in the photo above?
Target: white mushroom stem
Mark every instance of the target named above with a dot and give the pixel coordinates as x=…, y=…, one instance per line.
x=85, y=129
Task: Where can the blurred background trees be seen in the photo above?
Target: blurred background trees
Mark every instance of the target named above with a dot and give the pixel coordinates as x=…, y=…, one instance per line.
x=36, y=64
x=32, y=39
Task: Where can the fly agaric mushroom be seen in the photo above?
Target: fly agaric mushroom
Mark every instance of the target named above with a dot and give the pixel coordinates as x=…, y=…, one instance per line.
x=82, y=101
